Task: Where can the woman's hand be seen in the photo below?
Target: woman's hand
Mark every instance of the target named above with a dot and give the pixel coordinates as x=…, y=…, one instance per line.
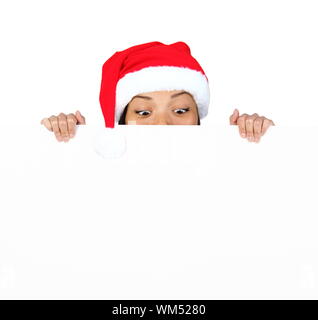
x=63, y=125
x=251, y=127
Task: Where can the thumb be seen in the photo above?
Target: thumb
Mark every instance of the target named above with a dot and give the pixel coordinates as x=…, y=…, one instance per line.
x=234, y=117
x=80, y=118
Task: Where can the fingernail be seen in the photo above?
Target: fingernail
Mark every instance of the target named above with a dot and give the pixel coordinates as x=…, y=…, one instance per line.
x=243, y=134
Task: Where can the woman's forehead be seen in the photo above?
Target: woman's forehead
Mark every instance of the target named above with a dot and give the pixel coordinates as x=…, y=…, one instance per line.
x=169, y=94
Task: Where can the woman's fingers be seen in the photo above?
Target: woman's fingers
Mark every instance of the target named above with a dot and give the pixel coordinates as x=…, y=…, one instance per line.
x=253, y=127
x=63, y=126
x=80, y=118
x=258, y=122
x=241, y=125
x=55, y=127
x=71, y=123
x=234, y=117
x=47, y=124
x=266, y=124
x=250, y=126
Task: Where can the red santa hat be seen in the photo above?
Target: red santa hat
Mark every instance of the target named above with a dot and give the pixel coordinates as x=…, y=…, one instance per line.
x=148, y=67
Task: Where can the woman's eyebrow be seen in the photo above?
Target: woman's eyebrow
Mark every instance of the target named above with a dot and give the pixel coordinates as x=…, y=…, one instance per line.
x=172, y=96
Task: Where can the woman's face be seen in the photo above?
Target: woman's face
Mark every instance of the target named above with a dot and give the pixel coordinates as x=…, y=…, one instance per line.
x=162, y=107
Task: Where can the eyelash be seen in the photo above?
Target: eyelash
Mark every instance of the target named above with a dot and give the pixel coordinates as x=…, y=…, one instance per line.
x=186, y=109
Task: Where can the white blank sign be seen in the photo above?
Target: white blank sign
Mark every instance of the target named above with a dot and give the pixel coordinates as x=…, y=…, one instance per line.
x=186, y=212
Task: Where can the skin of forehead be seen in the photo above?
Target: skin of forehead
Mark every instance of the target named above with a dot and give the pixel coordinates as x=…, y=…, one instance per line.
x=164, y=94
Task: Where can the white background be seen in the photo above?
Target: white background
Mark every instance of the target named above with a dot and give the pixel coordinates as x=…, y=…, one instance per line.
x=217, y=218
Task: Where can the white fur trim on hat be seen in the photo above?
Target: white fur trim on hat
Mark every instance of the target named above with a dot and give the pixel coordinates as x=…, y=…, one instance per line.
x=159, y=78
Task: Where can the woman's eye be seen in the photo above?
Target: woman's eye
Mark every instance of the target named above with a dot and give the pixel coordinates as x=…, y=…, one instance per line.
x=138, y=112
x=183, y=110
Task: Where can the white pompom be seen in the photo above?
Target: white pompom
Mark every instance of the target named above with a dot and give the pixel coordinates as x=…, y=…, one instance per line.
x=109, y=143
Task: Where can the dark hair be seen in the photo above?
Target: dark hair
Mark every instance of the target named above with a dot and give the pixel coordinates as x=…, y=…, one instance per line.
x=122, y=119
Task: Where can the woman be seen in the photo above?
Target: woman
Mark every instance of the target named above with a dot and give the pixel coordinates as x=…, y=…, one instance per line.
x=155, y=84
